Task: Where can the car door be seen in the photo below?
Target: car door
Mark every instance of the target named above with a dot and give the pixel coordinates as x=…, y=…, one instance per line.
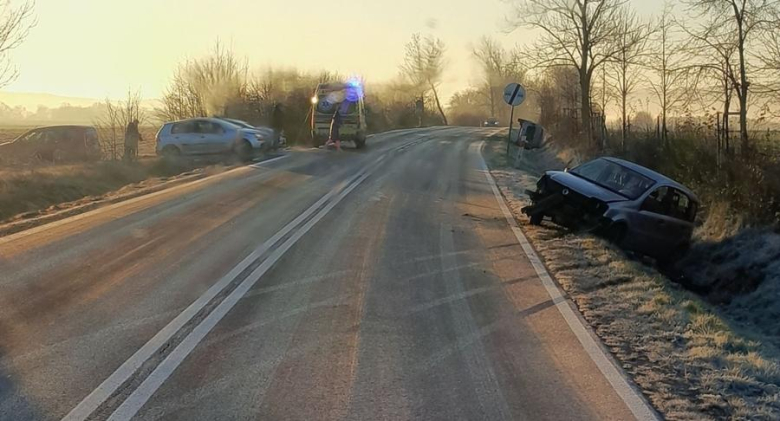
x=68, y=143
x=187, y=137
x=682, y=211
x=217, y=138
x=46, y=145
x=648, y=220
x=653, y=224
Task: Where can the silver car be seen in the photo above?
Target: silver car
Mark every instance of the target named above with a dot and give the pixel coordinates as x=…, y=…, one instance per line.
x=637, y=208
x=199, y=136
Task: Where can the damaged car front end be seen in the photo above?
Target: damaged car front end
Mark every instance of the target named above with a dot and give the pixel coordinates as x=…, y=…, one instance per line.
x=565, y=207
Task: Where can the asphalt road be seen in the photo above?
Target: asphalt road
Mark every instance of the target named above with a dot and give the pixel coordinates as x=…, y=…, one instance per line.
x=376, y=284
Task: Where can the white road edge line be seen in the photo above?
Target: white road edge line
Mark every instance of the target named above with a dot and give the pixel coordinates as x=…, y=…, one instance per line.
x=85, y=408
x=268, y=161
x=617, y=378
x=152, y=383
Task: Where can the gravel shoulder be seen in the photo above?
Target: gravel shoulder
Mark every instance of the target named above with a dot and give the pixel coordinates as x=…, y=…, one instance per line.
x=692, y=360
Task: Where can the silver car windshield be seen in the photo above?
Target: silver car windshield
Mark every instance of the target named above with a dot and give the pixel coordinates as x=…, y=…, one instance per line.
x=614, y=177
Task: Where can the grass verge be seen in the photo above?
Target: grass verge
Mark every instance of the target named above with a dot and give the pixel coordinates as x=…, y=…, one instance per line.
x=693, y=360
x=29, y=192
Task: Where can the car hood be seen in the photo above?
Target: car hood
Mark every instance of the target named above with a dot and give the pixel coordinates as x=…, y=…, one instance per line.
x=258, y=131
x=584, y=187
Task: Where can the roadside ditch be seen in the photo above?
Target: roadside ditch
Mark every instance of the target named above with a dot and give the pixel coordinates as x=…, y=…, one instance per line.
x=696, y=356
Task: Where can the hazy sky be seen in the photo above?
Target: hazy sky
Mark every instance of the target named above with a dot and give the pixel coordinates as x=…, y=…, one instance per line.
x=98, y=48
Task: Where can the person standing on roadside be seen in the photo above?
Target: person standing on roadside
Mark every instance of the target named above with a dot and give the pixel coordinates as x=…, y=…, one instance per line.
x=132, y=138
x=277, y=124
x=335, y=127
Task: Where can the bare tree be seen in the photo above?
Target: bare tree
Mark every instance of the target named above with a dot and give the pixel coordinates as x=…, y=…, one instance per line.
x=625, y=69
x=557, y=98
x=576, y=33
x=116, y=117
x=15, y=25
x=669, y=69
x=181, y=99
x=741, y=22
x=424, y=65
x=209, y=85
x=498, y=68
x=714, y=53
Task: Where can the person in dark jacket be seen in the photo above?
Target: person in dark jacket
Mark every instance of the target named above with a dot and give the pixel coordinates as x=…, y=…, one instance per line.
x=277, y=124
x=132, y=138
x=335, y=126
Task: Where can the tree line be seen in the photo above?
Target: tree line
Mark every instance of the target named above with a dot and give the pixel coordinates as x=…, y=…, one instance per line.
x=693, y=56
x=221, y=84
x=708, y=68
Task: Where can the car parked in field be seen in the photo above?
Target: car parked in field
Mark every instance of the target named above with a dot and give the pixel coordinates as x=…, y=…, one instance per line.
x=53, y=144
x=201, y=136
x=637, y=208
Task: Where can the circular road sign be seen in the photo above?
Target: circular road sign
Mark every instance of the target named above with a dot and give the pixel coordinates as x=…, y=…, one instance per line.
x=514, y=94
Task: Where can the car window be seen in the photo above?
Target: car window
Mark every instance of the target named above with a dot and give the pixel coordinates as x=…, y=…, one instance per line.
x=530, y=132
x=207, y=127
x=30, y=136
x=67, y=135
x=657, y=201
x=91, y=135
x=183, y=127
x=682, y=207
x=614, y=177
x=48, y=136
x=214, y=128
x=670, y=202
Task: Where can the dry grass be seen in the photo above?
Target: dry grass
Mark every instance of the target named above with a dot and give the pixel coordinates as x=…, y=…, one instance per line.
x=26, y=192
x=692, y=360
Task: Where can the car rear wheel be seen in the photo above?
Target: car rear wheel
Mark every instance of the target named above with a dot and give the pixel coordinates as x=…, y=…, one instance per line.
x=171, y=152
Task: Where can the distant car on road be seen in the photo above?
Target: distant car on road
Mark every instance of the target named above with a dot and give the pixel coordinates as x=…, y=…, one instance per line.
x=637, y=208
x=490, y=122
x=54, y=144
x=201, y=136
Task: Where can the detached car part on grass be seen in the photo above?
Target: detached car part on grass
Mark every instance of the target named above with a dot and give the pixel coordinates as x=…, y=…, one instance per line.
x=635, y=207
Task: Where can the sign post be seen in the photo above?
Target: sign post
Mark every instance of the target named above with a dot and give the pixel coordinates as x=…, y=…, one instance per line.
x=514, y=95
